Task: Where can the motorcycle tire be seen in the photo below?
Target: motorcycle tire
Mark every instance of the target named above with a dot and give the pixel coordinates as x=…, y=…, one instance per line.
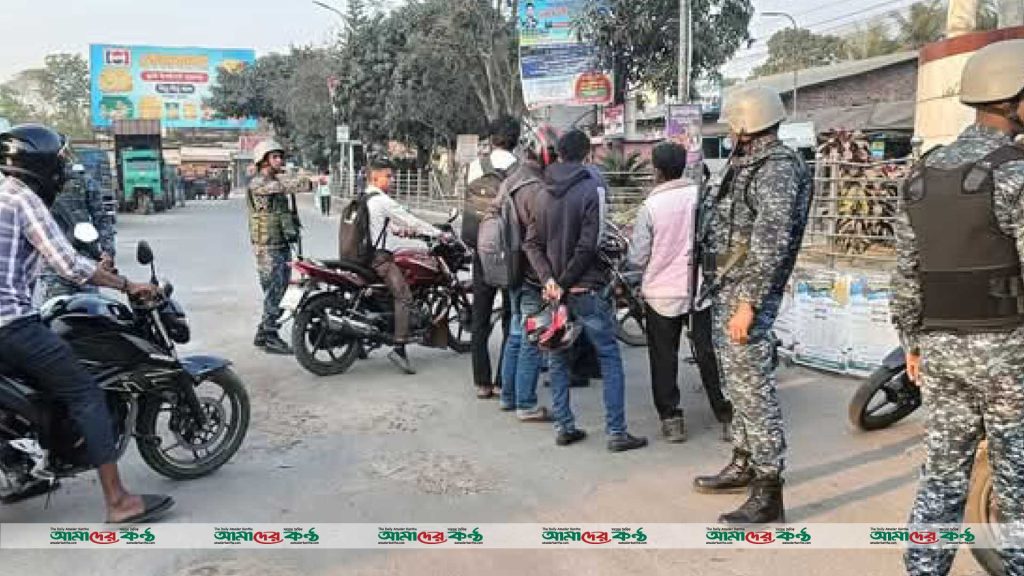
x=156, y=457
x=308, y=319
x=460, y=333
x=981, y=509
x=884, y=380
x=630, y=336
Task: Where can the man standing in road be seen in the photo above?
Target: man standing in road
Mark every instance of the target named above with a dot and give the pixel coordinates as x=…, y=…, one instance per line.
x=755, y=230
x=273, y=228
x=663, y=248
x=561, y=244
x=484, y=178
x=958, y=304
x=80, y=201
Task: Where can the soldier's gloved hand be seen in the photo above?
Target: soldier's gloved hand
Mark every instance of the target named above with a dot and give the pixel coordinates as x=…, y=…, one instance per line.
x=740, y=323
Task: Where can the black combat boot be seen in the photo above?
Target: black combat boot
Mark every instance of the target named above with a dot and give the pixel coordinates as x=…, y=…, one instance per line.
x=260, y=340
x=733, y=478
x=763, y=506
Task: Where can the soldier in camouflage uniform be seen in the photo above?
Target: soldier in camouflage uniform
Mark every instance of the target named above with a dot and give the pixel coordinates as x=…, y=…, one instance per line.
x=79, y=201
x=958, y=304
x=751, y=233
x=273, y=229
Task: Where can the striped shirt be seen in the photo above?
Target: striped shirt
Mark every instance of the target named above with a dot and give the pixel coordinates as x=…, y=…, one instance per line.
x=28, y=233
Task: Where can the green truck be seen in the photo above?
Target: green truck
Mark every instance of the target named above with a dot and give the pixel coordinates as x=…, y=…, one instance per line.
x=142, y=178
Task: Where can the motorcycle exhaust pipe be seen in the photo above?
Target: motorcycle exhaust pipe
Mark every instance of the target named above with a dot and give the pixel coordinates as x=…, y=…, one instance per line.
x=352, y=328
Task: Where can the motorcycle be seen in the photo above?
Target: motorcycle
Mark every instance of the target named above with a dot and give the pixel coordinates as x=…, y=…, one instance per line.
x=889, y=396
x=188, y=415
x=344, y=311
x=886, y=397
x=625, y=287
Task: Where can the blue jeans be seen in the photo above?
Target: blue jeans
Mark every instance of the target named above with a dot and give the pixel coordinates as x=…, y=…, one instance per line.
x=520, y=368
x=51, y=367
x=597, y=316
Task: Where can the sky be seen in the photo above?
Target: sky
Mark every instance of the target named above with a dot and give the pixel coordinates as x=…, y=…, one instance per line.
x=31, y=29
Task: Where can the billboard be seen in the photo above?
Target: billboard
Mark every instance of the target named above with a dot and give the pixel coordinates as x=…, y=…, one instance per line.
x=161, y=83
x=683, y=125
x=556, y=68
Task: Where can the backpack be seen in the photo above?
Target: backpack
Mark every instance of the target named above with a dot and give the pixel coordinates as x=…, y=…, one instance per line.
x=354, y=241
x=500, y=241
x=480, y=196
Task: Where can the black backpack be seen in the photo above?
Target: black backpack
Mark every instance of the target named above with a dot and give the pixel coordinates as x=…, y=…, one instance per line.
x=480, y=196
x=354, y=241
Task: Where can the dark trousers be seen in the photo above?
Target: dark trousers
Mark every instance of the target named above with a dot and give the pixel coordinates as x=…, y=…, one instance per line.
x=385, y=267
x=51, y=367
x=663, y=337
x=483, y=305
x=325, y=205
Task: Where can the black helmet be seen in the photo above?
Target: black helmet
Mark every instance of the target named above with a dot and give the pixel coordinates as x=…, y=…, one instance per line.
x=34, y=154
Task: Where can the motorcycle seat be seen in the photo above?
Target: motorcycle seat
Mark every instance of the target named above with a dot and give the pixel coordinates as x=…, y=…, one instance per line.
x=353, y=267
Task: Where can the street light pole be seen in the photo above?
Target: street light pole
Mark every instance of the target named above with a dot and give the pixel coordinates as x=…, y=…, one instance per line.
x=796, y=64
x=334, y=109
x=685, y=40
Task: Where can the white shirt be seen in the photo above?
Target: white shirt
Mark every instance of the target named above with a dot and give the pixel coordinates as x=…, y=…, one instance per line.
x=501, y=159
x=383, y=207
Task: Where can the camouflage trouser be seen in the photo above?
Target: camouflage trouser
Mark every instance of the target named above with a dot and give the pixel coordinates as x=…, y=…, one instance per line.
x=748, y=377
x=973, y=385
x=272, y=262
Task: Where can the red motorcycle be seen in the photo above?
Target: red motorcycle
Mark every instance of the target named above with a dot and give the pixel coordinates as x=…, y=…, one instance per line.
x=345, y=311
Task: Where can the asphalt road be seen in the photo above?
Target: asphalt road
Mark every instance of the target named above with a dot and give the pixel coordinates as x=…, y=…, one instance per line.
x=375, y=446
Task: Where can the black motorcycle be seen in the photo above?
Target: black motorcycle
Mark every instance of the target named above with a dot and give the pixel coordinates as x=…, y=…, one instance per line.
x=188, y=415
x=886, y=397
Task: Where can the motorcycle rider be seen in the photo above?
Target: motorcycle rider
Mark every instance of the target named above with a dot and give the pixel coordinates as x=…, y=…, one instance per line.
x=34, y=171
x=957, y=302
x=755, y=228
x=272, y=229
x=386, y=217
x=80, y=200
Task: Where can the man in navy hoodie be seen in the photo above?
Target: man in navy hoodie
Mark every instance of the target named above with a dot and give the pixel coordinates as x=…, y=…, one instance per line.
x=561, y=245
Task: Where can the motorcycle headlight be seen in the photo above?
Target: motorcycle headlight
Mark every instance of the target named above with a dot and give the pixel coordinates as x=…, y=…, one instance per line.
x=177, y=328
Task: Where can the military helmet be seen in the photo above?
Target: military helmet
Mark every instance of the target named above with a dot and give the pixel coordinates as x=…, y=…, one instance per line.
x=753, y=109
x=259, y=154
x=994, y=74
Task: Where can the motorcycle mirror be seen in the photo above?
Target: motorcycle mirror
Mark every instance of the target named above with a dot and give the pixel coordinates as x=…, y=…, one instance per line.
x=168, y=289
x=144, y=254
x=453, y=215
x=86, y=233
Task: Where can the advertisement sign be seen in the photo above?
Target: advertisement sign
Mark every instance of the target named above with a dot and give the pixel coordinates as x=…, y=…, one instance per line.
x=556, y=68
x=682, y=125
x=614, y=121
x=161, y=83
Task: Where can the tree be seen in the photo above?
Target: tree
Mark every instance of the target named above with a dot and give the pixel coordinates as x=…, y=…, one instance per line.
x=639, y=39
x=925, y=22
x=14, y=108
x=790, y=49
x=65, y=87
x=869, y=41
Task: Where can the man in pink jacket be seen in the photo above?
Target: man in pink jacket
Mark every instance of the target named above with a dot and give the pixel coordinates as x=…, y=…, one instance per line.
x=663, y=247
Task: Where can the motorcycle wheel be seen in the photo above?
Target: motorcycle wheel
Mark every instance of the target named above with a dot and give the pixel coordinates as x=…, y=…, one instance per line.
x=981, y=509
x=630, y=328
x=203, y=450
x=887, y=397
x=316, y=348
x=459, y=331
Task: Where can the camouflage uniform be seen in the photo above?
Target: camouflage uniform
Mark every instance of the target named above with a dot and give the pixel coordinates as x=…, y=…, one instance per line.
x=973, y=384
x=770, y=221
x=272, y=229
x=80, y=201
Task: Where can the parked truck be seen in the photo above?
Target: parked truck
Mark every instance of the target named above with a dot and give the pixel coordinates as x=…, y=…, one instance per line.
x=98, y=168
x=138, y=149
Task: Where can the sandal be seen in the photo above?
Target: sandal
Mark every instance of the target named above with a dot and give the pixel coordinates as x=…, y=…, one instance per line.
x=153, y=506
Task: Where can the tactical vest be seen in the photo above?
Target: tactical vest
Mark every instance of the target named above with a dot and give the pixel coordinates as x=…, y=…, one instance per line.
x=970, y=269
x=273, y=227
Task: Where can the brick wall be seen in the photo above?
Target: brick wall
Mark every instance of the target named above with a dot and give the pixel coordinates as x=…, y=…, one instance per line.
x=892, y=84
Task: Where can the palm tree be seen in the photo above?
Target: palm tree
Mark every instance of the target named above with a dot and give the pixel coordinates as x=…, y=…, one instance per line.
x=925, y=22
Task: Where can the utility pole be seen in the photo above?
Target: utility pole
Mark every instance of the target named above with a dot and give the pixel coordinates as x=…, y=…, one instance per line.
x=796, y=56
x=685, y=42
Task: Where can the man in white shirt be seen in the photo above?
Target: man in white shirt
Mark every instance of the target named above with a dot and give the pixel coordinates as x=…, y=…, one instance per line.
x=386, y=212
